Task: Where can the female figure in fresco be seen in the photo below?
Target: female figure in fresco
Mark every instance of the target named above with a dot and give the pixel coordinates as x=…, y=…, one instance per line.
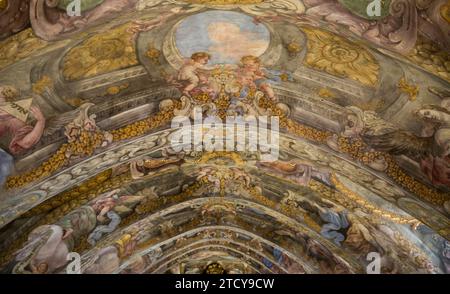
x=22, y=135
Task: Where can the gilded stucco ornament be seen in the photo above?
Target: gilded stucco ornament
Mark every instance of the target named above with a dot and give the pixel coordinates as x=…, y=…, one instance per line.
x=19, y=47
x=88, y=152
x=101, y=54
x=408, y=88
x=430, y=57
x=337, y=56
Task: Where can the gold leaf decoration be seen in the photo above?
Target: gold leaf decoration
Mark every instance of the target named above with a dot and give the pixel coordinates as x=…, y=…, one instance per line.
x=431, y=58
x=101, y=54
x=153, y=54
x=407, y=88
x=326, y=93
x=339, y=57
x=19, y=46
x=357, y=149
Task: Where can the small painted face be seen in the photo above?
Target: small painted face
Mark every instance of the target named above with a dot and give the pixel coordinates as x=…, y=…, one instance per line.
x=251, y=65
x=41, y=268
x=428, y=114
x=89, y=125
x=203, y=60
x=247, y=80
x=351, y=121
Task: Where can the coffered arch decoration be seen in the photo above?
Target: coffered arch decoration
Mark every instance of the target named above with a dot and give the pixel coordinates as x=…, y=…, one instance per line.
x=94, y=163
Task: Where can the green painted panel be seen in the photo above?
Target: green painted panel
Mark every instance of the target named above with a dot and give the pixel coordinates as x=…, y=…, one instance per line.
x=359, y=7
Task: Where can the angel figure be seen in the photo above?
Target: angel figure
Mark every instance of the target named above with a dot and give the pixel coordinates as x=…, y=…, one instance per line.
x=252, y=76
x=431, y=149
x=48, y=245
x=110, y=208
x=45, y=251
x=193, y=75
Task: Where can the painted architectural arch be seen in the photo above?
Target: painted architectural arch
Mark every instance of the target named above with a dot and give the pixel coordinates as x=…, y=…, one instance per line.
x=89, y=164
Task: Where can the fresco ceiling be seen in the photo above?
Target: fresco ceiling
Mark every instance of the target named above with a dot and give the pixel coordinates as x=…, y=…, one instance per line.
x=88, y=163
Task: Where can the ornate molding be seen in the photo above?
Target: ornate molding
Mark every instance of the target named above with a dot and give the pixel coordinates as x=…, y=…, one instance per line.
x=50, y=22
x=337, y=56
x=102, y=53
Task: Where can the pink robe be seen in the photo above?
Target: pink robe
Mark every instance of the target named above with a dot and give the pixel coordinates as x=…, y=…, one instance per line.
x=16, y=128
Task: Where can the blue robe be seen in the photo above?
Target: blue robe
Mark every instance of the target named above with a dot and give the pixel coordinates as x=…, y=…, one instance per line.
x=334, y=223
x=6, y=166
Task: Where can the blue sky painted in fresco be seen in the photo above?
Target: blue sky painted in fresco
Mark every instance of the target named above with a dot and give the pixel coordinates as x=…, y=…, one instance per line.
x=226, y=35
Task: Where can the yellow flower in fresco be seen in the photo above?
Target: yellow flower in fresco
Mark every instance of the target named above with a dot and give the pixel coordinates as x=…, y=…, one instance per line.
x=337, y=56
x=101, y=54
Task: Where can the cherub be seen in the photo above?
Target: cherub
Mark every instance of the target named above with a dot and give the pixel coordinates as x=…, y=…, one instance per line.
x=253, y=76
x=192, y=73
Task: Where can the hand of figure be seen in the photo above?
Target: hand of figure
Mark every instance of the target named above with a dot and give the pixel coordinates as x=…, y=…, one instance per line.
x=203, y=79
x=36, y=112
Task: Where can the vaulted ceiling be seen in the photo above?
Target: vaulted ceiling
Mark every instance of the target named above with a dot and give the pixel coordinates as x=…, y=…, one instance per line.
x=362, y=166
